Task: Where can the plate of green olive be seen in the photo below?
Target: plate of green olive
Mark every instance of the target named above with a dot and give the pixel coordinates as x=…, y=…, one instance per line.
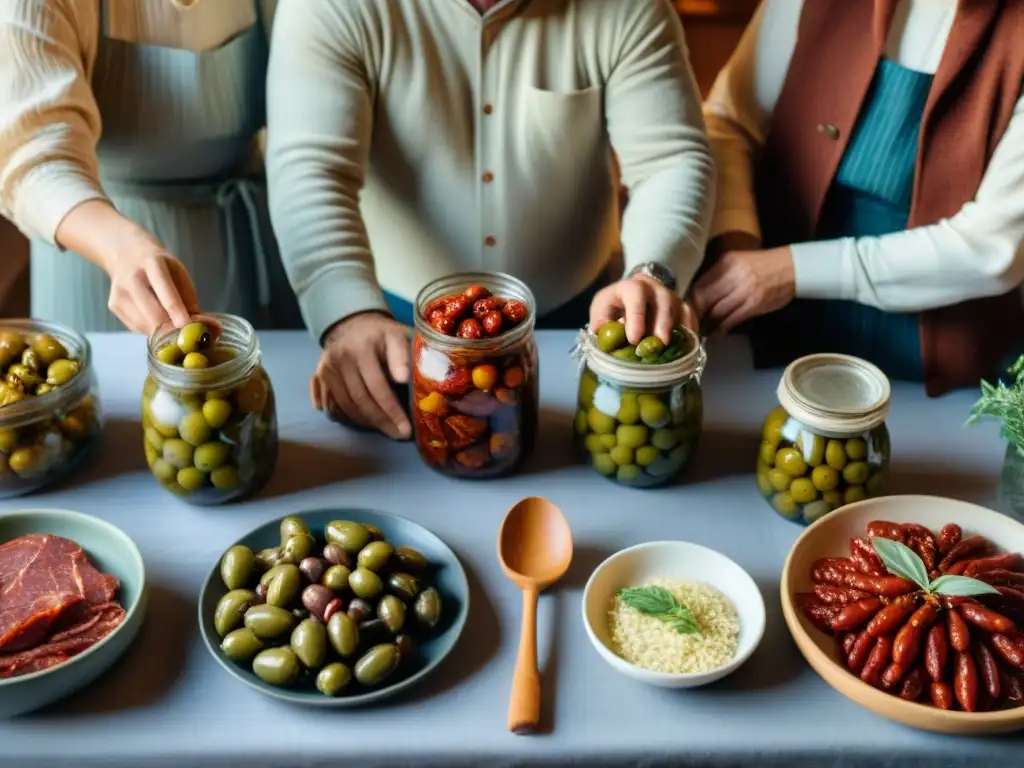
x=334, y=607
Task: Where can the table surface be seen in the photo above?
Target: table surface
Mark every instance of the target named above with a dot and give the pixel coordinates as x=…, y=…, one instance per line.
x=169, y=703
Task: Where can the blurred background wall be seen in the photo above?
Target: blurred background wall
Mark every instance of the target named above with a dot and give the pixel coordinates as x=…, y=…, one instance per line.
x=713, y=27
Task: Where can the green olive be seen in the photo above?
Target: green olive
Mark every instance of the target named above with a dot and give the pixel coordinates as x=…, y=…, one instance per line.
x=170, y=354
x=653, y=412
x=49, y=349
x=594, y=444
x=803, y=491
x=824, y=478
x=664, y=439
x=816, y=510
x=766, y=453
x=60, y=372
x=216, y=413
x=43, y=388
x=164, y=471
x=764, y=483
x=375, y=555
x=283, y=586
x=191, y=479
x=224, y=478
x=647, y=455
x=351, y=537
x=856, y=472
x=622, y=455
x=854, y=494
x=404, y=586
x=309, y=641
x=298, y=548
x=812, y=448
x=391, y=611
x=277, y=666
x=631, y=436
x=627, y=353
x=427, y=608
x=231, y=609
x=628, y=473
x=193, y=428
x=780, y=480
x=599, y=422
x=269, y=621
x=784, y=504
x=241, y=645
x=195, y=361
x=579, y=423
x=376, y=534
x=377, y=664
x=629, y=409
x=834, y=498
x=336, y=578
x=343, y=633
x=236, y=566
x=651, y=346
x=267, y=559
x=154, y=438
x=293, y=525
x=209, y=456
x=333, y=679
x=151, y=455
x=790, y=461
x=876, y=484
x=856, y=449
x=365, y=583
x=835, y=455
x=588, y=386
x=8, y=439
x=11, y=393
x=409, y=560
x=23, y=375
x=31, y=360
x=194, y=337
x=252, y=396
x=611, y=336
x=605, y=464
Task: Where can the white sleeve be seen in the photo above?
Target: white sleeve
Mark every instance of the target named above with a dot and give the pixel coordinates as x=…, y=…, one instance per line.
x=739, y=109
x=975, y=253
x=49, y=120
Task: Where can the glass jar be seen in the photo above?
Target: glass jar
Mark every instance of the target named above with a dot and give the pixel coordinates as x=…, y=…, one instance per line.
x=475, y=401
x=50, y=416
x=210, y=434
x=826, y=444
x=638, y=424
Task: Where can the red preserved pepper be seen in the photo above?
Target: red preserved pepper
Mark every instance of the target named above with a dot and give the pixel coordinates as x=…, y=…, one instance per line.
x=889, y=618
x=941, y=695
x=988, y=668
x=838, y=595
x=877, y=661
x=936, y=652
x=488, y=305
x=1009, y=649
x=883, y=529
x=949, y=537
x=514, y=310
x=858, y=655
x=476, y=292
x=855, y=615
x=910, y=638
x=990, y=621
x=470, y=329
x=914, y=684
x=864, y=555
x=959, y=634
x=965, y=682
x=967, y=548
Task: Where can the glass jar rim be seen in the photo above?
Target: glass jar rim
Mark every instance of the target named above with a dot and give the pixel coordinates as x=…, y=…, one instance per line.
x=32, y=408
x=233, y=331
x=690, y=365
x=833, y=393
x=496, y=282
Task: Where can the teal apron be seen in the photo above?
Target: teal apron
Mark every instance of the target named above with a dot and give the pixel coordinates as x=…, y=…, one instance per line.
x=178, y=126
x=870, y=196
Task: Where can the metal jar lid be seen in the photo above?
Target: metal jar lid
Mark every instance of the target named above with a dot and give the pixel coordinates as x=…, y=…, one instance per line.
x=836, y=394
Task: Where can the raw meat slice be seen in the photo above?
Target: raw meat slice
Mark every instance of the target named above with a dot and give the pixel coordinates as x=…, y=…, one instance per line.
x=42, y=580
x=102, y=621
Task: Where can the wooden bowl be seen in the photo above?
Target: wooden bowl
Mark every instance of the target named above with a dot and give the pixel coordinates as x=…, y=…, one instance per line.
x=830, y=537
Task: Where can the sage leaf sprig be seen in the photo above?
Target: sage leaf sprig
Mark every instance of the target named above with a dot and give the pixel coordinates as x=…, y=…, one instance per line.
x=904, y=562
x=662, y=605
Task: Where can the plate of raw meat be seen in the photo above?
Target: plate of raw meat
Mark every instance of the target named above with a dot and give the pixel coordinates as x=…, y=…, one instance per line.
x=72, y=599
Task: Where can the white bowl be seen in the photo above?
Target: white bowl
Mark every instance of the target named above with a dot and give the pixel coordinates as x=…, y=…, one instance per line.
x=677, y=561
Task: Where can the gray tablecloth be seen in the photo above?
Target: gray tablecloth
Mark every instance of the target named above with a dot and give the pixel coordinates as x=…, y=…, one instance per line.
x=168, y=703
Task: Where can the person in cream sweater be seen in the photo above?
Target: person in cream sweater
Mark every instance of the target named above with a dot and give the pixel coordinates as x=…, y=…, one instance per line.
x=128, y=155
x=409, y=140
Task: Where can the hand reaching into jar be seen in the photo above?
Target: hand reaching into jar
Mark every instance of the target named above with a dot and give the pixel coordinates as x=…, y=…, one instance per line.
x=643, y=303
x=350, y=380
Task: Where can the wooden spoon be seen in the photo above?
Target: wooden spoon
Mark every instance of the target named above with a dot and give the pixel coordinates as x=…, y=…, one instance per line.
x=534, y=549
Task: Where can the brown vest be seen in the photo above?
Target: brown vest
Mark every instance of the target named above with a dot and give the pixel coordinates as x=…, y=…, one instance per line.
x=973, y=95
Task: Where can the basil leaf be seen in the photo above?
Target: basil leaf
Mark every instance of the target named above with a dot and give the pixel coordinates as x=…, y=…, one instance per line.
x=901, y=561
x=662, y=605
x=961, y=586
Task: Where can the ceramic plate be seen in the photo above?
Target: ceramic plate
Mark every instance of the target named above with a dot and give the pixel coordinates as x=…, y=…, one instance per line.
x=447, y=576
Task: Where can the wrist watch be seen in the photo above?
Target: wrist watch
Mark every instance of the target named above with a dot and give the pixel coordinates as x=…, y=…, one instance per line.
x=655, y=271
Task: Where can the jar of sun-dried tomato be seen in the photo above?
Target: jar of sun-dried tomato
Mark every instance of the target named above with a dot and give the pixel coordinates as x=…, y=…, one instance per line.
x=474, y=394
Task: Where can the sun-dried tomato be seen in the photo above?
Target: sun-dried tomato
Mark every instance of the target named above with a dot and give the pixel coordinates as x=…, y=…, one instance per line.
x=470, y=329
x=490, y=304
x=456, y=307
x=476, y=292
x=502, y=445
x=473, y=458
x=456, y=382
x=492, y=323
x=462, y=431
x=515, y=311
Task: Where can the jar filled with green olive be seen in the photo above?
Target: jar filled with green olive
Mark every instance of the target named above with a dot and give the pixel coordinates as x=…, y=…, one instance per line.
x=826, y=444
x=208, y=415
x=639, y=408
x=50, y=419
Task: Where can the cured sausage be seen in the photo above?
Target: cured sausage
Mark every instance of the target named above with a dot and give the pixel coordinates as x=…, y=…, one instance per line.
x=941, y=695
x=855, y=615
x=858, y=655
x=864, y=555
x=990, y=621
x=877, y=661
x=936, y=652
x=972, y=545
x=988, y=669
x=914, y=684
x=889, y=618
x=965, y=682
x=959, y=634
x=949, y=537
x=910, y=638
x=838, y=595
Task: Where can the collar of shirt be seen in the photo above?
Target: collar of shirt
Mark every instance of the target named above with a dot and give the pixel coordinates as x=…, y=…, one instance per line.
x=483, y=5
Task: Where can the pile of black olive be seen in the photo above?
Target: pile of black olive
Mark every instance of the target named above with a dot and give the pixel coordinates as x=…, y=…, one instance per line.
x=348, y=611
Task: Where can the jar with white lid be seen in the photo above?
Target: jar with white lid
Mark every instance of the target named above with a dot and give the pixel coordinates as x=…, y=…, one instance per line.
x=826, y=444
x=635, y=423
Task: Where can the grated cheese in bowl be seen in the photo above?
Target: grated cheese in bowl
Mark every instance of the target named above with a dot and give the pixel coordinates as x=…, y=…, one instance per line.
x=647, y=641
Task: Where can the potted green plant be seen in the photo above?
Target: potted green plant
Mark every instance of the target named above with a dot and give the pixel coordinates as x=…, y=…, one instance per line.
x=1005, y=402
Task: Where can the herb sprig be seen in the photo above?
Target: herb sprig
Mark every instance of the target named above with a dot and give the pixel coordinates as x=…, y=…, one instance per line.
x=904, y=562
x=662, y=605
x=1004, y=403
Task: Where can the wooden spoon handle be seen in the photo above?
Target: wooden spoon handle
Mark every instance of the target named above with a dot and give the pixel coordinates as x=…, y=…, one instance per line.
x=524, y=703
